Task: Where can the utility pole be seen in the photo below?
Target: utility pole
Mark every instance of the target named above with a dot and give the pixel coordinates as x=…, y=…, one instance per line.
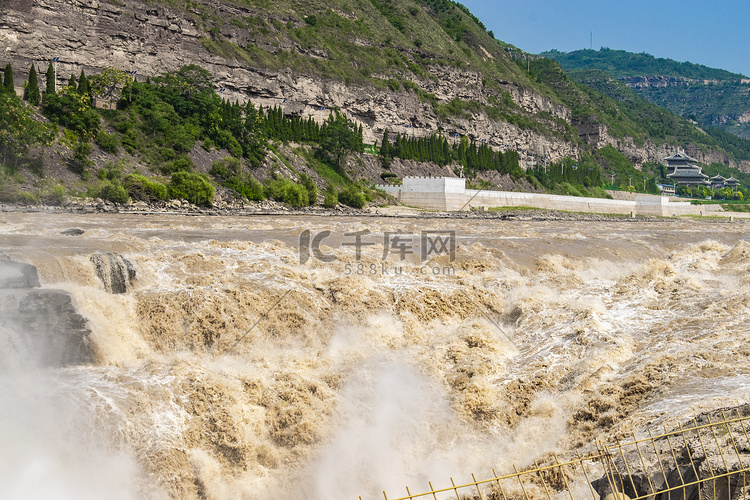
x=55, y=59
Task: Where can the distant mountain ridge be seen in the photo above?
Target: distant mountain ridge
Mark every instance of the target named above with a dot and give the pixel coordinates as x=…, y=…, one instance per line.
x=622, y=64
x=711, y=97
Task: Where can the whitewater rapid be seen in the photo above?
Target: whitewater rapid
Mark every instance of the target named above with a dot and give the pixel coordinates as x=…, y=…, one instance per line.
x=239, y=365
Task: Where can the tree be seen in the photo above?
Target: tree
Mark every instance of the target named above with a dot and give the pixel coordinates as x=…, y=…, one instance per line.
x=50, y=80
x=352, y=197
x=8, y=79
x=83, y=84
x=32, y=88
x=73, y=111
x=195, y=188
x=108, y=84
x=386, y=151
x=252, y=137
x=18, y=130
x=331, y=198
x=312, y=189
x=73, y=84
x=338, y=138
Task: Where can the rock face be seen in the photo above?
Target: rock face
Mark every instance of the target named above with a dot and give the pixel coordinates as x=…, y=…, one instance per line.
x=38, y=327
x=638, y=82
x=152, y=39
x=17, y=275
x=115, y=272
x=704, y=459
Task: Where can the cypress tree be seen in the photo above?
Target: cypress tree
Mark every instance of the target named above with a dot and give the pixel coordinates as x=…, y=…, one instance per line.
x=32, y=88
x=385, y=147
x=50, y=79
x=83, y=84
x=397, y=147
x=446, y=151
x=8, y=79
x=72, y=83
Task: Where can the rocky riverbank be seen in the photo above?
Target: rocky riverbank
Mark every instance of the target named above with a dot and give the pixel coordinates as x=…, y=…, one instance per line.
x=269, y=207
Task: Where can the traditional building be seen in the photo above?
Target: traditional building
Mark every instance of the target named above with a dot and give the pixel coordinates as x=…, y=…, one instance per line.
x=718, y=181
x=685, y=171
x=732, y=183
x=721, y=182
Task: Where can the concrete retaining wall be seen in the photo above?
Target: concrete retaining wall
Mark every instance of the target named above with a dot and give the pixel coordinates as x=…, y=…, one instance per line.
x=450, y=194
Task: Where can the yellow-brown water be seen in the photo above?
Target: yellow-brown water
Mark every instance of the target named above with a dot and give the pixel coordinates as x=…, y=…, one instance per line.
x=231, y=370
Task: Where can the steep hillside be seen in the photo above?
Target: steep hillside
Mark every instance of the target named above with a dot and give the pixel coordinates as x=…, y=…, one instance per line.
x=711, y=97
x=186, y=76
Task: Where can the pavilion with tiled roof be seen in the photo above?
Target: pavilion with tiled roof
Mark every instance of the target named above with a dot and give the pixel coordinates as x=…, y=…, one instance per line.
x=732, y=183
x=685, y=171
x=718, y=181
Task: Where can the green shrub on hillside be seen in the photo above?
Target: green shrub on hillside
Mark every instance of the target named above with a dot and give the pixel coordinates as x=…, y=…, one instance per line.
x=195, y=188
x=184, y=164
x=141, y=188
x=114, y=191
x=312, y=189
x=107, y=142
x=288, y=192
x=331, y=197
x=352, y=197
x=247, y=186
x=229, y=173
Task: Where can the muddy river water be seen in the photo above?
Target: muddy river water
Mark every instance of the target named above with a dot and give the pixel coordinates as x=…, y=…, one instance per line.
x=273, y=357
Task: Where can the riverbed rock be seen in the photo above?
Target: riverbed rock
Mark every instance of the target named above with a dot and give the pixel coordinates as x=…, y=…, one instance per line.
x=17, y=275
x=38, y=326
x=115, y=271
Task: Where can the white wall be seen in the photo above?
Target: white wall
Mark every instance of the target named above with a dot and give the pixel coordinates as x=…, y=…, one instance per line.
x=450, y=193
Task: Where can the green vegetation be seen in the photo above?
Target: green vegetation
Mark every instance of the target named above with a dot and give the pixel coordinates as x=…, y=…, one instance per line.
x=331, y=197
x=195, y=188
x=141, y=188
x=19, y=132
x=340, y=137
x=711, y=97
x=8, y=83
x=49, y=79
x=31, y=92
x=113, y=191
x=401, y=47
x=620, y=63
x=628, y=114
x=569, y=177
x=352, y=197
x=287, y=191
x=436, y=149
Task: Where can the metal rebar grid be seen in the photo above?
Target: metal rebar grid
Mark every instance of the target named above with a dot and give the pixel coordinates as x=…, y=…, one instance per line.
x=707, y=458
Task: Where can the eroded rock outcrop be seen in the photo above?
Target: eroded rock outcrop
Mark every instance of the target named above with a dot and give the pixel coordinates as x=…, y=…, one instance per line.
x=115, y=271
x=38, y=326
x=152, y=38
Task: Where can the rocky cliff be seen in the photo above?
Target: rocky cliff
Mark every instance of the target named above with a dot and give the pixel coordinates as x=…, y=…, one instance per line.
x=38, y=326
x=152, y=38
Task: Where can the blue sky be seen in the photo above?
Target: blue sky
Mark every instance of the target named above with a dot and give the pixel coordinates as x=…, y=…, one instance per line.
x=713, y=33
